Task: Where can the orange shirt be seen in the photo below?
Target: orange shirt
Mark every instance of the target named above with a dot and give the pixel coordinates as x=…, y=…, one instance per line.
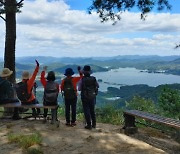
x=75, y=80
x=30, y=84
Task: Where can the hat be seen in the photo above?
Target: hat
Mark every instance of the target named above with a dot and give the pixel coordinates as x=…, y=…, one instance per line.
x=87, y=68
x=6, y=72
x=68, y=71
x=25, y=75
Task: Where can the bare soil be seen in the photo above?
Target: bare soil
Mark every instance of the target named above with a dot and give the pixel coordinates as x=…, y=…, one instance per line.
x=105, y=139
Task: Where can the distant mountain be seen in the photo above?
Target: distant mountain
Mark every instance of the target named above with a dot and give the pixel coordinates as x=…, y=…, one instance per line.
x=74, y=67
x=48, y=60
x=148, y=57
x=24, y=66
x=92, y=60
x=138, y=57
x=152, y=63
x=56, y=67
x=176, y=61
x=41, y=59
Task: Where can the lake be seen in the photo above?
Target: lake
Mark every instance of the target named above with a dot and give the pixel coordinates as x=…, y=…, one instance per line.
x=131, y=76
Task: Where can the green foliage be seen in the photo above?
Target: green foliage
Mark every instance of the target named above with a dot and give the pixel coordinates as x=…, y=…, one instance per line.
x=141, y=104
x=79, y=106
x=104, y=114
x=80, y=116
x=109, y=114
x=61, y=110
x=169, y=102
x=25, y=141
x=112, y=9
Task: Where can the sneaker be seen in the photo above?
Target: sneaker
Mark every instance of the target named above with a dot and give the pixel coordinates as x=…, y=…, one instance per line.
x=73, y=124
x=88, y=127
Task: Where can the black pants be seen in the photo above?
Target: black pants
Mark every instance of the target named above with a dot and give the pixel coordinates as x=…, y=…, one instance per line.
x=46, y=110
x=35, y=101
x=70, y=106
x=11, y=100
x=89, y=111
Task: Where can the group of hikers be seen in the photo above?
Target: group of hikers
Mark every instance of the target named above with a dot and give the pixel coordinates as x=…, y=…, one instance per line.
x=69, y=86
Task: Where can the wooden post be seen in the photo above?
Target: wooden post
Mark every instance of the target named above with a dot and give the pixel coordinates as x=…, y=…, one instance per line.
x=129, y=120
x=129, y=124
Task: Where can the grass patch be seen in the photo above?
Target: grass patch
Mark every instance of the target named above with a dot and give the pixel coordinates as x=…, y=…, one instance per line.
x=25, y=141
x=34, y=151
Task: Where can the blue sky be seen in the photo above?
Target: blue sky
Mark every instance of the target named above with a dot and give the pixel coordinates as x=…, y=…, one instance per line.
x=63, y=28
x=84, y=4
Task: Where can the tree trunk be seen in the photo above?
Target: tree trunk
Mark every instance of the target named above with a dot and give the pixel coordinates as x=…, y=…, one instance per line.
x=10, y=41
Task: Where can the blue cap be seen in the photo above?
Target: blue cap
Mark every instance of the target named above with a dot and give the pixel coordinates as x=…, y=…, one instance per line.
x=68, y=72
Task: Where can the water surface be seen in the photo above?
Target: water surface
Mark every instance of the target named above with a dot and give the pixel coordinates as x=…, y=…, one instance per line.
x=131, y=76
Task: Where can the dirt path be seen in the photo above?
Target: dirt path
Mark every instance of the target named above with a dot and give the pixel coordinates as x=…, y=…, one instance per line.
x=106, y=139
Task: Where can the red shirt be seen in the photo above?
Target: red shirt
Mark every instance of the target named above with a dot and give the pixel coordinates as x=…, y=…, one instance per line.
x=75, y=80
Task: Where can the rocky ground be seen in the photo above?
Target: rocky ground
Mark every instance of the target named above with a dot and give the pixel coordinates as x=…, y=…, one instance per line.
x=105, y=139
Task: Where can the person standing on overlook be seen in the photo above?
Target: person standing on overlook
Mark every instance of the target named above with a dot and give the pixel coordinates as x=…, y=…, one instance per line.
x=51, y=90
x=69, y=89
x=89, y=89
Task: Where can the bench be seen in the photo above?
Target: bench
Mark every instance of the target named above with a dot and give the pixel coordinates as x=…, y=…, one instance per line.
x=130, y=115
x=19, y=105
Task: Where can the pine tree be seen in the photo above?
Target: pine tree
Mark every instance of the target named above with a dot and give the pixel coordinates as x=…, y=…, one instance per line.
x=9, y=8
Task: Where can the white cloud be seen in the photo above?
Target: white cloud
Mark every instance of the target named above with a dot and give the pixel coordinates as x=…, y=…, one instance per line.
x=52, y=28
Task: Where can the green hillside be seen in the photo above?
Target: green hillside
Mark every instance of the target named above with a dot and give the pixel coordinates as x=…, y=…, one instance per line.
x=126, y=93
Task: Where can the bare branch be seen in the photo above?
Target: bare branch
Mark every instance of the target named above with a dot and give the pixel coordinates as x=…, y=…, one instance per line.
x=1, y=1
x=3, y=18
x=19, y=3
x=177, y=46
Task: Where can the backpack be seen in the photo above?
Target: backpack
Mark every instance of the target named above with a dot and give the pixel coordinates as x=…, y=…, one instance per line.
x=22, y=91
x=69, y=91
x=89, y=87
x=50, y=92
